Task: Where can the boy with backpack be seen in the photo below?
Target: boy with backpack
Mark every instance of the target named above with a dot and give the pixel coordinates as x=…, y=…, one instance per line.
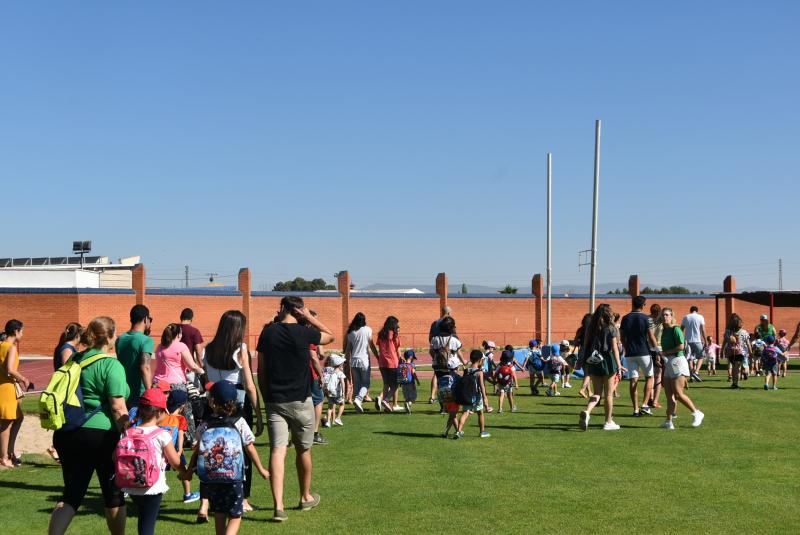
x=218, y=456
x=489, y=365
x=140, y=457
x=555, y=367
x=770, y=362
x=407, y=378
x=534, y=365
x=333, y=379
x=474, y=394
x=174, y=422
x=506, y=380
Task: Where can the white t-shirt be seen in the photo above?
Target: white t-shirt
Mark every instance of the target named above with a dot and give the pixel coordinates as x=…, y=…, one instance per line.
x=160, y=442
x=453, y=362
x=359, y=347
x=691, y=324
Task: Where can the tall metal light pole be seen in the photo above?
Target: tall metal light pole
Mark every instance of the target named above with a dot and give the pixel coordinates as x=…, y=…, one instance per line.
x=595, y=210
x=549, y=239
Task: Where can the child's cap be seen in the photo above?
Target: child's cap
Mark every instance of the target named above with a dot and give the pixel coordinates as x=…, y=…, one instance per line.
x=555, y=350
x=490, y=344
x=337, y=360
x=223, y=391
x=565, y=343
x=176, y=398
x=769, y=339
x=153, y=397
x=764, y=317
x=782, y=332
x=409, y=354
x=534, y=343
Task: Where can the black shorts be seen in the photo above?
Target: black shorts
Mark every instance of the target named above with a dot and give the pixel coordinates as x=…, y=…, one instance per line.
x=736, y=358
x=225, y=498
x=83, y=452
x=389, y=376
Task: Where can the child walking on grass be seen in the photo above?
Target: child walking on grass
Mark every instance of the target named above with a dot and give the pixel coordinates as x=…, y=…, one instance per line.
x=333, y=381
x=770, y=362
x=506, y=379
x=711, y=354
x=218, y=456
x=176, y=424
x=140, y=460
x=407, y=378
x=474, y=394
x=534, y=365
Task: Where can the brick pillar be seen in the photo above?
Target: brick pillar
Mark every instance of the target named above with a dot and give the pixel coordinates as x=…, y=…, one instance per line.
x=139, y=283
x=246, y=288
x=441, y=289
x=537, y=289
x=728, y=286
x=343, y=283
x=633, y=285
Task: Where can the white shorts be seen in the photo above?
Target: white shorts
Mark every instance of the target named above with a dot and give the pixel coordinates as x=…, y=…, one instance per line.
x=555, y=377
x=645, y=363
x=674, y=367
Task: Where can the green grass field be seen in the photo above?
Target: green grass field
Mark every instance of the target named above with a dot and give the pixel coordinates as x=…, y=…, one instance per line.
x=537, y=473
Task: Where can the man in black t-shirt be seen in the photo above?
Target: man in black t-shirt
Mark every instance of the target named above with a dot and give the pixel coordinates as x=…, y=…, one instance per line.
x=636, y=333
x=284, y=375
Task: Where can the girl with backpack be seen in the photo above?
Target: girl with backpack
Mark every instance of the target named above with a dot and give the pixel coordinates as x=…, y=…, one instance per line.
x=506, y=380
x=447, y=358
x=475, y=394
x=736, y=347
x=141, y=456
x=222, y=442
x=676, y=370
x=601, y=362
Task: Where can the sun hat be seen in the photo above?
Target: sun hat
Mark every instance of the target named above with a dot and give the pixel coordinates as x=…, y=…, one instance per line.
x=409, y=354
x=555, y=350
x=337, y=360
x=533, y=343
x=491, y=344
x=176, y=398
x=153, y=397
x=565, y=343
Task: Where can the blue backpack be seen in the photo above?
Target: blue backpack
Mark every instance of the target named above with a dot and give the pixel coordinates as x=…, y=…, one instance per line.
x=535, y=362
x=449, y=385
x=769, y=356
x=220, y=456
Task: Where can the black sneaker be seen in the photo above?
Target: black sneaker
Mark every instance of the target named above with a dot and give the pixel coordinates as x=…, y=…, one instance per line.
x=319, y=440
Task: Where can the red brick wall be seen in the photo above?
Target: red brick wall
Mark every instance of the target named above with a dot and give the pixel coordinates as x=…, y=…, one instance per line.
x=414, y=313
x=207, y=309
x=43, y=317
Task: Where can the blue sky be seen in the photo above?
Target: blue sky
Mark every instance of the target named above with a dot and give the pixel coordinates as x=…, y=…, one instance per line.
x=400, y=139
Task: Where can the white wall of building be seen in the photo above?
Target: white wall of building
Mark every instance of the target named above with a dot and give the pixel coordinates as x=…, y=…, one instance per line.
x=48, y=278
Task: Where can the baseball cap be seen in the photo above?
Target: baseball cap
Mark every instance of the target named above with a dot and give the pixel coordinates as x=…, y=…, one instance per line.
x=769, y=339
x=764, y=317
x=409, y=354
x=223, y=391
x=337, y=360
x=533, y=343
x=176, y=398
x=153, y=397
x=565, y=343
x=555, y=350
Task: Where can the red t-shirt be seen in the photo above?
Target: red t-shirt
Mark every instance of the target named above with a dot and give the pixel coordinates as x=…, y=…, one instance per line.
x=388, y=356
x=313, y=348
x=190, y=336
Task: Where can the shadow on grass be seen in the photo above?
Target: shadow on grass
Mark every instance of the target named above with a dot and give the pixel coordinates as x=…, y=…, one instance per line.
x=407, y=434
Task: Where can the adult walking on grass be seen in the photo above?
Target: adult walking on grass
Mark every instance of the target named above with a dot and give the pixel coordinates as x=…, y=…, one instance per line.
x=357, y=347
x=636, y=332
x=676, y=370
x=432, y=333
x=694, y=329
x=134, y=350
x=89, y=447
x=388, y=362
x=66, y=347
x=10, y=411
x=285, y=378
x=658, y=366
x=580, y=334
x=736, y=347
x=603, y=365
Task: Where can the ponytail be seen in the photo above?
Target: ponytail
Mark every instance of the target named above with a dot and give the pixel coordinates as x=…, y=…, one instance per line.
x=98, y=333
x=71, y=332
x=169, y=335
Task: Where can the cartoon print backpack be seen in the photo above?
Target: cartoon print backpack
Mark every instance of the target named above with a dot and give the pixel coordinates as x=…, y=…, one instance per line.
x=136, y=463
x=503, y=375
x=448, y=386
x=330, y=383
x=769, y=356
x=220, y=456
x=405, y=373
x=61, y=403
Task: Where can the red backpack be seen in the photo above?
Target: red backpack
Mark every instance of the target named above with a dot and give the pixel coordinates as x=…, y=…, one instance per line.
x=503, y=375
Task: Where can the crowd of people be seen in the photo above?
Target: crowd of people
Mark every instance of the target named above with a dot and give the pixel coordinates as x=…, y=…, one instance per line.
x=129, y=419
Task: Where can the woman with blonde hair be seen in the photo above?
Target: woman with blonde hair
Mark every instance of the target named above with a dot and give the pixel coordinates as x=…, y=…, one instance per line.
x=676, y=370
x=87, y=447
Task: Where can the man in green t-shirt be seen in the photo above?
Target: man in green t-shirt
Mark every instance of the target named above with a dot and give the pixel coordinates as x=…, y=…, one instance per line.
x=134, y=351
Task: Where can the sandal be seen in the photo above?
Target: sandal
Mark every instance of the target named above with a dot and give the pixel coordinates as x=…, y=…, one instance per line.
x=53, y=454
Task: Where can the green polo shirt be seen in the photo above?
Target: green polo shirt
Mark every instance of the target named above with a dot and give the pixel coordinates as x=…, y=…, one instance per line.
x=100, y=381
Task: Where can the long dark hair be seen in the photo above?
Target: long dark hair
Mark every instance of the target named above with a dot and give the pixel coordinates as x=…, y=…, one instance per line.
x=71, y=332
x=447, y=326
x=12, y=326
x=169, y=335
x=581, y=332
x=734, y=323
x=602, y=318
x=390, y=325
x=228, y=338
x=359, y=320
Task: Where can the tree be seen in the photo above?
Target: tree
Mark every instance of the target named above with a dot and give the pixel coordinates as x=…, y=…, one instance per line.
x=464, y=288
x=509, y=290
x=299, y=284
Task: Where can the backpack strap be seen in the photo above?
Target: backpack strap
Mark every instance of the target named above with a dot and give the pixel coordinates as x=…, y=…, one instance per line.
x=91, y=360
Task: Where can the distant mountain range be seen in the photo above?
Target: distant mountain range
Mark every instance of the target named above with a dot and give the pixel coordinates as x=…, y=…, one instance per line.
x=559, y=289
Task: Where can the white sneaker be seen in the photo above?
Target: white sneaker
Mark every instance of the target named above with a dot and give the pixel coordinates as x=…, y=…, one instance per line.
x=697, y=418
x=397, y=408
x=646, y=410
x=667, y=425
x=557, y=393
x=610, y=426
x=357, y=404
x=583, y=421
x=327, y=423
x=567, y=385
x=337, y=421
x=408, y=407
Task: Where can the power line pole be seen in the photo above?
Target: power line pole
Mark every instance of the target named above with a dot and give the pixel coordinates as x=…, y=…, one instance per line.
x=780, y=274
x=186, y=269
x=595, y=210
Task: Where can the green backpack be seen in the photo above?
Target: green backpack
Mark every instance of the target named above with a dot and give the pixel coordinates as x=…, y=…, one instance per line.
x=61, y=403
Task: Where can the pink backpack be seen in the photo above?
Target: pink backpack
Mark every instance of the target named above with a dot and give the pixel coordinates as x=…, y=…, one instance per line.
x=137, y=464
